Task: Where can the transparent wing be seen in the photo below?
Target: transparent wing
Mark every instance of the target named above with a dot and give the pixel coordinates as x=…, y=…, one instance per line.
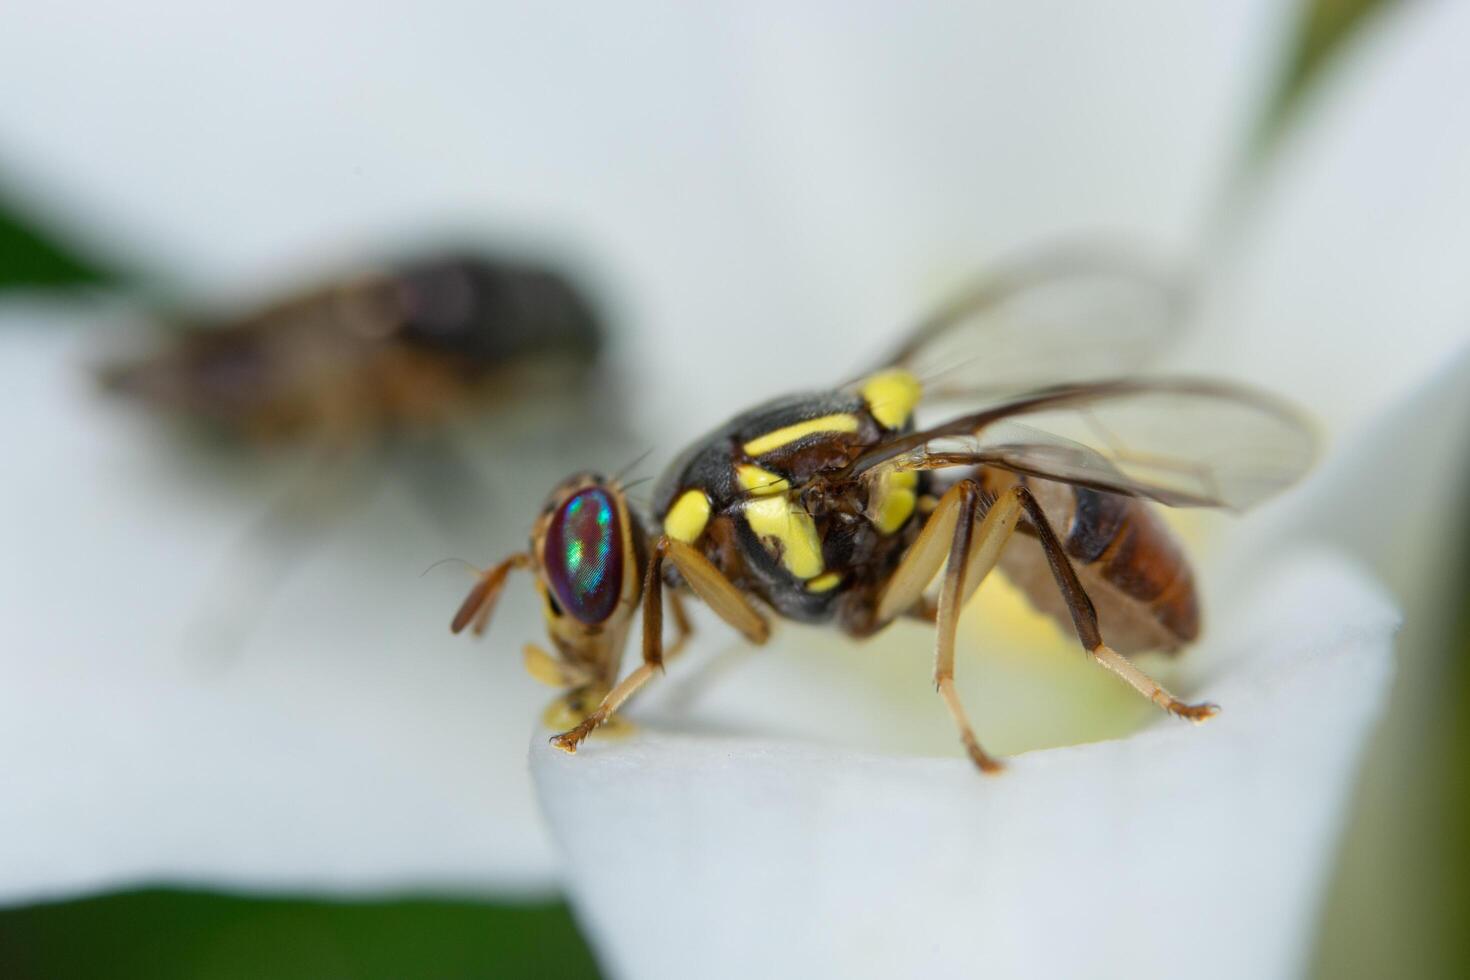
x=1073, y=313
x=1182, y=442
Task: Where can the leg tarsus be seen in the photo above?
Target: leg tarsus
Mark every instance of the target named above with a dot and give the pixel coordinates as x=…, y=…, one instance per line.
x=986, y=762
x=1152, y=689
x=1197, y=713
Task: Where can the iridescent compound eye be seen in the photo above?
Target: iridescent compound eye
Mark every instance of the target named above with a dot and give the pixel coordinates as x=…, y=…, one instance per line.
x=584, y=556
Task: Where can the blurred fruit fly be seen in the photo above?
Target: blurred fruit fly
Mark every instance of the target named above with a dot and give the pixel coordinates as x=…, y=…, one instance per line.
x=370, y=370
x=837, y=507
x=376, y=352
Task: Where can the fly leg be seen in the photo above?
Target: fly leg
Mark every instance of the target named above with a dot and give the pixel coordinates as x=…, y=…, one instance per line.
x=1084, y=618
x=969, y=551
x=480, y=603
x=718, y=592
x=683, y=629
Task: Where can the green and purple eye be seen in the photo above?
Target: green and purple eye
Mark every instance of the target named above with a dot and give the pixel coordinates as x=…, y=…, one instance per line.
x=584, y=556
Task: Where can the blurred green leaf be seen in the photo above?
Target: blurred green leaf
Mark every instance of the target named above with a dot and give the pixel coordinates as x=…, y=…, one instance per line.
x=1449, y=839
x=31, y=258
x=172, y=935
x=1323, y=30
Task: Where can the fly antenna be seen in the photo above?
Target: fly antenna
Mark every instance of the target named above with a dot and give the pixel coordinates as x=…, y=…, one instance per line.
x=444, y=561
x=618, y=477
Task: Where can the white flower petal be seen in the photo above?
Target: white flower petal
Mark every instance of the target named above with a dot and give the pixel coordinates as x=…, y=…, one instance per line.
x=1196, y=851
x=1396, y=524
x=1346, y=284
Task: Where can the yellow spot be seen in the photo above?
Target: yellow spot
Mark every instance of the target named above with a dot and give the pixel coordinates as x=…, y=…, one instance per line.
x=759, y=481
x=779, y=520
x=824, y=583
x=893, y=499
x=891, y=396
x=685, y=520
x=840, y=422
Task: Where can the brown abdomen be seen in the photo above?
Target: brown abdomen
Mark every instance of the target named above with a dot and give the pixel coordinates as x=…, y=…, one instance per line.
x=1129, y=562
x=1125, y=543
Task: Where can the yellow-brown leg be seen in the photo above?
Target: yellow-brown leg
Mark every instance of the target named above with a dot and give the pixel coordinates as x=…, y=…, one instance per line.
x=973, y=552
x=683, y=629
x=951, y=537
x=480, y=603
x=718, y=592
x=1084, y=618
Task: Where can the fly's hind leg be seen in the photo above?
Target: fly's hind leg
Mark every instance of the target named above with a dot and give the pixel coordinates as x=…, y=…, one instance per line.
x=1084, y=618
x=718, y=592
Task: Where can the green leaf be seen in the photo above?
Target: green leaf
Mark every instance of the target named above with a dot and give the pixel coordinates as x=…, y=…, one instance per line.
x=1323, y=31
x=173, y=935
x=32, y=258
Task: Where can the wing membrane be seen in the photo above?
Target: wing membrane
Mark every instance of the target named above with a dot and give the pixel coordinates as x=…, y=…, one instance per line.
x=1182, y=442
x=1075, y=313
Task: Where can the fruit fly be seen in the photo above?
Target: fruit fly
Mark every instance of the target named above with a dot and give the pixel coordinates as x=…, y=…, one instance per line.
x=374, y=353
x=838, y=507
x=366, y=374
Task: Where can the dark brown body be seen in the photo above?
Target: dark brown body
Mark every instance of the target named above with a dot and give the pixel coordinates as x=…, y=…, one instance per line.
x=1137, y=576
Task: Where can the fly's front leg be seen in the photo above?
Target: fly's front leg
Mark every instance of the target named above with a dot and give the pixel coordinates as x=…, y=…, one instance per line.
x=480, y=603
x=718, y=592
x=1084, y=617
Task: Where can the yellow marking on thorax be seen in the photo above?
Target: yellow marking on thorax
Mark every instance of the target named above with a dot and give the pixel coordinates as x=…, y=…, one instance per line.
x=839, y=422
x=825, y=582
x=760, y=482
x=891, y=396
x=792, y=528
x=893, y=499
x=685, y=520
